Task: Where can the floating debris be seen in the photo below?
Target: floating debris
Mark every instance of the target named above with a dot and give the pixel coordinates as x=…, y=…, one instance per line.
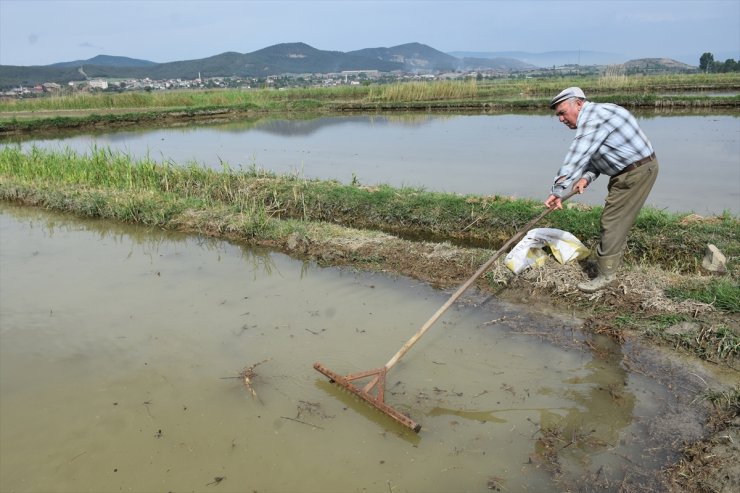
x=247, y=374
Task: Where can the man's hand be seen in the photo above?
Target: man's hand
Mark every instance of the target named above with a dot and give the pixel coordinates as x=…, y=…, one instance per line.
x=553, y=201
x=580, y=185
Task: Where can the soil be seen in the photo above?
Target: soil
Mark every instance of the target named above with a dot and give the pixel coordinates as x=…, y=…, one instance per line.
x=709, y=457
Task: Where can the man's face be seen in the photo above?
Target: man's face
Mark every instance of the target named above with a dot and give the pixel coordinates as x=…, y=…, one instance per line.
x=567, y=112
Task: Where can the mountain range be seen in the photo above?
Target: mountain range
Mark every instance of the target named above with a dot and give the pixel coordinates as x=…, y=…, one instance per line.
x=295, y=58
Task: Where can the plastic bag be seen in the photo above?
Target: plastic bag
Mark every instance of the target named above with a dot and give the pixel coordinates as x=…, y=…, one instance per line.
x=564, y=246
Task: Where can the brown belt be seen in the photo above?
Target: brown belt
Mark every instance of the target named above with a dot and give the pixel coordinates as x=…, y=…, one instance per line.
x=637, y=164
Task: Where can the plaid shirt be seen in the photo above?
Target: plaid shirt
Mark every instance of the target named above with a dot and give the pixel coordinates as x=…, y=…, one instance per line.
x=608, y=139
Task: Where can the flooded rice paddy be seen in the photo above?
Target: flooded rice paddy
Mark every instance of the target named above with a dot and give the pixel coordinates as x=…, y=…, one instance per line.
x=500, y=154
x=122, y=352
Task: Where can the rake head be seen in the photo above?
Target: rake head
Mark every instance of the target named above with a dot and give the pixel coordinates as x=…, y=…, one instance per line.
x=376, y=383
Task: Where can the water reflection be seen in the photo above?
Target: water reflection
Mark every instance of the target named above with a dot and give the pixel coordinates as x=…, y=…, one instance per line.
x=589, y=431
x=307, y=127
x=480, y=416
x=365, y=411
x=150, y=242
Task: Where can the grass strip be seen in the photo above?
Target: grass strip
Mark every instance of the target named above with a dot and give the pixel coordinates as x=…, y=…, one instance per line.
x=722, y=293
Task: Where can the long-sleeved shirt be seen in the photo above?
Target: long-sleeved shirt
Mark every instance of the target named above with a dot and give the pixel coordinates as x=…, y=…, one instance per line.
x=608, y=139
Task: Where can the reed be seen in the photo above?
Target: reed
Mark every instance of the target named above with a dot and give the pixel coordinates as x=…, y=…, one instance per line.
x=425, y=91
x=179, y=99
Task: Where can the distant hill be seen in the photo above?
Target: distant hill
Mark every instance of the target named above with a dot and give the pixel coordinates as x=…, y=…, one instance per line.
x=413, y=57
x=286, y=58
x=417, y=57
x=300, y=58
x=106, y=61
x=296, y=58
x=550, y=58
x=502, y=64
x=656, y=64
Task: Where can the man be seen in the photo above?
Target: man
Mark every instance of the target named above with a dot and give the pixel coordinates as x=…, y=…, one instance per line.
x=608, y=141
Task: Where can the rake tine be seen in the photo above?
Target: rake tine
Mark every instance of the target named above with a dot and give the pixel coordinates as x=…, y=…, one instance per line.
x=376, y=401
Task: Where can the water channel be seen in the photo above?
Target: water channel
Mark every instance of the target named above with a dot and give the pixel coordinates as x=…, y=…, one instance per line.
x=121, y=349
x=491, y=154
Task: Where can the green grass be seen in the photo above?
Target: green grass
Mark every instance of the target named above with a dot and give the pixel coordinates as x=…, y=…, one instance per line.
x=721, y=293
x=724, y=399
x=425, y=91
x=711, y=343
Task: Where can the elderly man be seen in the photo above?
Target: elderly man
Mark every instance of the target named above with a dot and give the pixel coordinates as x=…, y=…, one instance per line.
x=608, y=140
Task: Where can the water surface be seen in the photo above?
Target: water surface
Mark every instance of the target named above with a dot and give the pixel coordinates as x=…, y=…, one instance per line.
x=119, y=348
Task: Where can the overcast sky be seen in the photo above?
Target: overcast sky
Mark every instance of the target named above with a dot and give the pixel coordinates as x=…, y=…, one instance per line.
x=40, y=32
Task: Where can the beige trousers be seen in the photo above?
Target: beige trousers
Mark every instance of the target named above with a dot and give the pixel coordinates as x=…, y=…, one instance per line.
x=627, y=194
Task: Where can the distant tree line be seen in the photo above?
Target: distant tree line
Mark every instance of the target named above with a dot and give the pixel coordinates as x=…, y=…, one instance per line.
x=708, y=64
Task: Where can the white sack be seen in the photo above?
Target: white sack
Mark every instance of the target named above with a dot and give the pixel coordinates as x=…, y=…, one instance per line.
x=564, y=246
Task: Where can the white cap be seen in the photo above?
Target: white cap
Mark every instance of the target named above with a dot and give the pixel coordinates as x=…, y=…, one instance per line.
x=571, y=92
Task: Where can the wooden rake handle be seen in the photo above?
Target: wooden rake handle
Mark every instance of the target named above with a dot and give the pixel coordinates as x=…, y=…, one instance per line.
x=468, y=283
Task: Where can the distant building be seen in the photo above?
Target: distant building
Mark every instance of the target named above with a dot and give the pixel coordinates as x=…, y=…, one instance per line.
x=369, y=73
x=51, y=87
x=99, y=84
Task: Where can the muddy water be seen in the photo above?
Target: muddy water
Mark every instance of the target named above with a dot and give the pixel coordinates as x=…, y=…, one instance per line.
x=121, y=349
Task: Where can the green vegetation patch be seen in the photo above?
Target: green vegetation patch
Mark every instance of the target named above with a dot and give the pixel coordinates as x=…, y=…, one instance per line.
x=720, y=293
x=711, y=342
